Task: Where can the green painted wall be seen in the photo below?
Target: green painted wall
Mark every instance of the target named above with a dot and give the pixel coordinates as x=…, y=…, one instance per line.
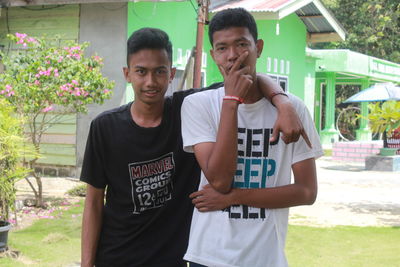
x=36, y=21
x=284, y=53
x=59, y=141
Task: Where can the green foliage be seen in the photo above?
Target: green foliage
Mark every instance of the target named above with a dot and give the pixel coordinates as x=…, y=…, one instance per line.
x=12, y=147
x=372, y=27
x=384, y=117
x=78, y=191
x=41, y=75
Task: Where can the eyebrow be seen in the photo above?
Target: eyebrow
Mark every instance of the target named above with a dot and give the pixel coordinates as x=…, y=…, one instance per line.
x=236, y=40
x=142, y=67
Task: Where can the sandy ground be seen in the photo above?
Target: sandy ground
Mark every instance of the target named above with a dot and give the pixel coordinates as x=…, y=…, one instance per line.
x=347, y=195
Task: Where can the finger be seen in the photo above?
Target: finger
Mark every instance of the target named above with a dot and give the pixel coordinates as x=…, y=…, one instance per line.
x=245, y=71
x=195, y=194
x=196, y=201
x=239, y=61
x=222, y=70
x=275, y=135
x=285, y=139
x=305, y=137
x=204, y=209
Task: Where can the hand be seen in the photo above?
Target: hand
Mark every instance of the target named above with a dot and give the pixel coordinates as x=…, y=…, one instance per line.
x=208, y=199
x=289, y=123
x=237, y=80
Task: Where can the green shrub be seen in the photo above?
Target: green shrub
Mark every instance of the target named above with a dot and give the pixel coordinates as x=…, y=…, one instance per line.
x=78, y=191
x=12, y=148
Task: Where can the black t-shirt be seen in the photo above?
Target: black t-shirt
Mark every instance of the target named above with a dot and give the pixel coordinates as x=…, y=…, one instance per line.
x=149, y=178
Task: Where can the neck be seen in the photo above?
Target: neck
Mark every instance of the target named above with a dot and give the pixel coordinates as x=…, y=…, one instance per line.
x=254, y=94
x=147, y=115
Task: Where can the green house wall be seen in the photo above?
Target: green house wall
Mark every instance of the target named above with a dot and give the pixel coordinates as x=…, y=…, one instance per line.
x=283, y=56
x=59, y=142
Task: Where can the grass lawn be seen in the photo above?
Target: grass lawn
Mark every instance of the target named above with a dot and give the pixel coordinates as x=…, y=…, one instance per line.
x=343, y=246
x=48, y=242
x=56, y=242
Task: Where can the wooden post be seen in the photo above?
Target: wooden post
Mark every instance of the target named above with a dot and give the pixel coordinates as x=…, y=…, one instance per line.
x=202, y=16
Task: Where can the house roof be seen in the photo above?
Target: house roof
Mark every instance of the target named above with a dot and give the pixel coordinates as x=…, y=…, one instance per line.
x=11, y=3
x=320, y=23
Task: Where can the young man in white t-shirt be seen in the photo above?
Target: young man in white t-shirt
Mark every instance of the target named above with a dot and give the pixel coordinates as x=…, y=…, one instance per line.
x=245, y=190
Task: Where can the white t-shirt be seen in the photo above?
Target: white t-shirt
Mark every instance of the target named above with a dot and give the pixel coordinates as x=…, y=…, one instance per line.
x=241, y=235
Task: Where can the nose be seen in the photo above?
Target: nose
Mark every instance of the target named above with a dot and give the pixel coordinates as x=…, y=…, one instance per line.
x=151, y=80
x=232, y=53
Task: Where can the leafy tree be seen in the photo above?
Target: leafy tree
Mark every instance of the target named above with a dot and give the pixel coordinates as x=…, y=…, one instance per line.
x=12, y=146
x=45, y=81
x=372, y=27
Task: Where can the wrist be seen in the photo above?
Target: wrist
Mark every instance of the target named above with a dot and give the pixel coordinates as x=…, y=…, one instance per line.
x=279, y=99
x=232, y=197
x=233, y=98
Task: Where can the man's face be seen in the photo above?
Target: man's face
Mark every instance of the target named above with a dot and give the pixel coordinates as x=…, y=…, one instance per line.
x=230, y=43
x=150, y=73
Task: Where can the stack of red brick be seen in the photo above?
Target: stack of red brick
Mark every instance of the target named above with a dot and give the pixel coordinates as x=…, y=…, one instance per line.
x=355, y=151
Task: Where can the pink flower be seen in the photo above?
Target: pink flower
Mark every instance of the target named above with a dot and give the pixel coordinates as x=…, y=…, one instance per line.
x=47, y=109
x=32, y=40
x=2, y=92
x=106, y=91
x=75, y=82
x=11, y=93
x=60, y=59
x=36, y=82
x=8, y=87
x=20, y=35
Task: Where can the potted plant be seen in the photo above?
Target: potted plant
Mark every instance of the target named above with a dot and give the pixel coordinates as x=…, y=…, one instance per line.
x=12, y=148
x=385, y=119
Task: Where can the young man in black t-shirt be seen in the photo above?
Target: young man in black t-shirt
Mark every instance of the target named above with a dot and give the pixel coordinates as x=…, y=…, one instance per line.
x=135, y=151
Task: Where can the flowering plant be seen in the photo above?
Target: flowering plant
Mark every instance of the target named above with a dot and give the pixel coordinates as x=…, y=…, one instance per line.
x=43, y=77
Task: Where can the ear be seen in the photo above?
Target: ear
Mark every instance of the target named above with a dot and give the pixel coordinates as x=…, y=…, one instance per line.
x=172, y=75
x=126, y=74
x=260, y=46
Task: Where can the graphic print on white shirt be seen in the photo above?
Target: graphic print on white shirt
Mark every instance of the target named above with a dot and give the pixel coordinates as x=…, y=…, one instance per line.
x=254, y=168
x=151, y=182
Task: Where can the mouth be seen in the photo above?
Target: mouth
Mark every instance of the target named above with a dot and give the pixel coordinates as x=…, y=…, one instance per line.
x=240, y=67
x=150, y=92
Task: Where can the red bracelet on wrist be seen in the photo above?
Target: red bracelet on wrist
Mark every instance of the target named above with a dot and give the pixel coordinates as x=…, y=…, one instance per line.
x=232, y=97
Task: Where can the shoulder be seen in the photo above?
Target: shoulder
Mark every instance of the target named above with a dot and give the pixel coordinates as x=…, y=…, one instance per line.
x=205, y=96
x=297, y=103
x=111, y=114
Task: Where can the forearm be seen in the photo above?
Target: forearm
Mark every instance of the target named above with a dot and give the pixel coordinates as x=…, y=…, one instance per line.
x=91, y=226
x=273, y=198
x=270, y=89
x=222, y=162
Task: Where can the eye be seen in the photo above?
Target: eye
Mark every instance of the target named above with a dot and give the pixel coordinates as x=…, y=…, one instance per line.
x=243, y=44
x=140, y=71
x=161, y=71
x=221, y=48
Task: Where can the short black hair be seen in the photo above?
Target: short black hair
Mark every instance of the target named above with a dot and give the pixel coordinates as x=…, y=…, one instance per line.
x=148, y=38
x=232, y=17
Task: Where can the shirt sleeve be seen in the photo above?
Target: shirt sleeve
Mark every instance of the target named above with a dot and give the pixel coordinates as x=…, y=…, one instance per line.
x=197, y=125
x=93, y=165
x=301, y=150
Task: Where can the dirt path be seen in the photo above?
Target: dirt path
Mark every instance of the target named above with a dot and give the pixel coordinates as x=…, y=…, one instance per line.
x=349, y=195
